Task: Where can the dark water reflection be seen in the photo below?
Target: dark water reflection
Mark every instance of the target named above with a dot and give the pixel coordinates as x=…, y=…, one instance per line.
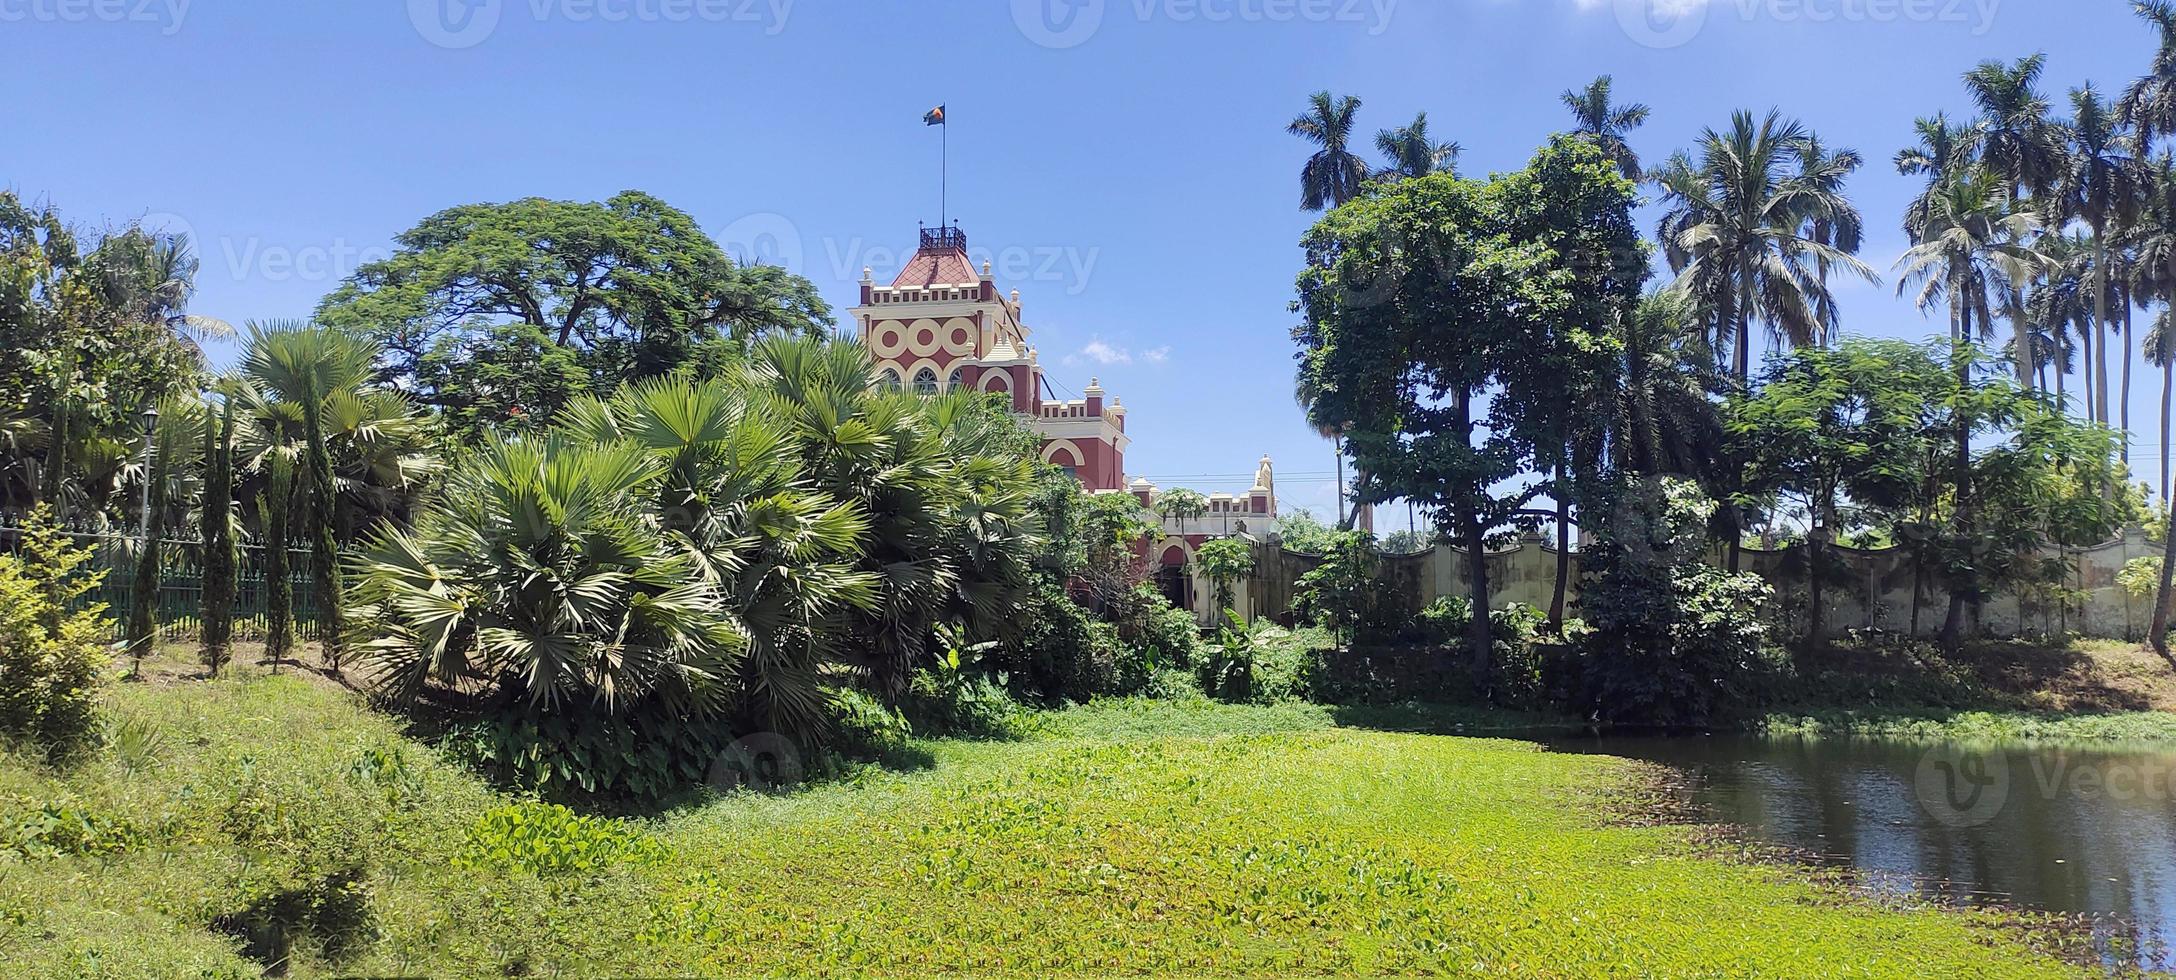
x=2082, y=830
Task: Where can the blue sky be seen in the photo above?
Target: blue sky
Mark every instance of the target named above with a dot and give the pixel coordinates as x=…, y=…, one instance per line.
x=1124, y=161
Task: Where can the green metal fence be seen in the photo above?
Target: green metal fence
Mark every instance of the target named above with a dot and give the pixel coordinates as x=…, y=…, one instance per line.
x=181, y=579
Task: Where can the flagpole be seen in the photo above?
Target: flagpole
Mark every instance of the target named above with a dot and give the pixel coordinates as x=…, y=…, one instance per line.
x=944, y=174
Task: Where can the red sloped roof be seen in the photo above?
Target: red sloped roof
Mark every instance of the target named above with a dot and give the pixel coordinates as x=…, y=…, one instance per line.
x=932, y=267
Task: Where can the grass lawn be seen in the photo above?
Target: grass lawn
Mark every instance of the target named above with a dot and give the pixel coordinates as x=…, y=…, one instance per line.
x=1123, y=838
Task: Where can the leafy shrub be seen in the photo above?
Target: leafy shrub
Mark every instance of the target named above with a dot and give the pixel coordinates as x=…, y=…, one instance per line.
x=1258, y=663
x=1172, y=685
x=1162, y=633
x=958, y=696
x=390, y=770
x=864, y=726
x=2140, y=577
x=1445, y=620
x=1348, y=594
x=641, y=757
x=1676, y=640
x=549, y=840
x=1225, y=561
x=50, y=659
x=1063, y=653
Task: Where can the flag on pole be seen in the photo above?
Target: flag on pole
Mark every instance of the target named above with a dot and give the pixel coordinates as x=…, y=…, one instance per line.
x=934, y=117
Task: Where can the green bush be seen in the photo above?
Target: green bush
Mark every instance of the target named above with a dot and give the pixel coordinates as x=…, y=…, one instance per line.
x=1257, y=664
x=50, y=659
x=1676, y=641
x=641, y=757
x=1160, y=632
x=864, y=726
x=959, y=695
x=1063, y=654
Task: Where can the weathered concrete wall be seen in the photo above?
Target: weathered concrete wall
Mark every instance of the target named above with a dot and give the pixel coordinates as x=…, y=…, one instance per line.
x=1875, y=591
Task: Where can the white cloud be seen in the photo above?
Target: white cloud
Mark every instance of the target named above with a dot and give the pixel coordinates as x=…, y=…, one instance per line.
x=1103, y=353
x=1156, y=356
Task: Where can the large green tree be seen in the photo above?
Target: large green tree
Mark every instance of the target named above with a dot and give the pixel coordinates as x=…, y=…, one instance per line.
x=1442, y=320
x=502, y=313
x=1825, y=428
x=2098, y=184
x=92, y=329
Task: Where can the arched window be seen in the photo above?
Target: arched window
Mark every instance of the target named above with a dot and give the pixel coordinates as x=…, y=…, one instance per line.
x=925, y=382
x=959, y=379
x=889, y=379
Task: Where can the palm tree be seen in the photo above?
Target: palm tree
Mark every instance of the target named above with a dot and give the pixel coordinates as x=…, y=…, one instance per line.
x=1413, y=153
x=1333, y=175
x=2059, y=306
x=2099, y=185
x=2016, y=141
x=1670, y=418
x=2149, y=104
x=1973, y=242
x=2160, y=350
x=1608, y=125
x=304, y=366
x=1836, y=224
x=1944, y=149
x=1736, y=231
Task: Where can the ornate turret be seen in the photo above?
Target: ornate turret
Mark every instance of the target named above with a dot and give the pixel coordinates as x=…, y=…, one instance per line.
x=942, y=325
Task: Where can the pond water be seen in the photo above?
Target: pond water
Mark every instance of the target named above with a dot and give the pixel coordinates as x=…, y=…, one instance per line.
x=2070, y=829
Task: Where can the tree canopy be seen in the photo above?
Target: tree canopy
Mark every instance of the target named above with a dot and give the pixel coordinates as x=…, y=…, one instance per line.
x=505, y=312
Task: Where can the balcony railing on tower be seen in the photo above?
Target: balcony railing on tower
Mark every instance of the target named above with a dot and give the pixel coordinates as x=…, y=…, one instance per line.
x=943, y=239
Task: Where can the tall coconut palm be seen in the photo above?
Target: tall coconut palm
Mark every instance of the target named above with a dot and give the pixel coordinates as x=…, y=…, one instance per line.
x=1414, y=153
x=2160, y=350
x=1944, y=149
x=1737, y=224
x=2099, y=185
x=1609, y=125
x=2060, y=307
x=1334, y=174
x=2015, y=138
x=1835, y=223
x=304, y=365
x=2017, y=141
x=1975, y=241
x=2149, y=104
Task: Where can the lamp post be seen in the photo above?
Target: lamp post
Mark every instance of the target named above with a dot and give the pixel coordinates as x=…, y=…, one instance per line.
x=151, y=423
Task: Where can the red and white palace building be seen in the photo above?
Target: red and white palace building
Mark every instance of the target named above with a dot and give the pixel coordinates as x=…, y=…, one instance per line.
x=942, y=325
